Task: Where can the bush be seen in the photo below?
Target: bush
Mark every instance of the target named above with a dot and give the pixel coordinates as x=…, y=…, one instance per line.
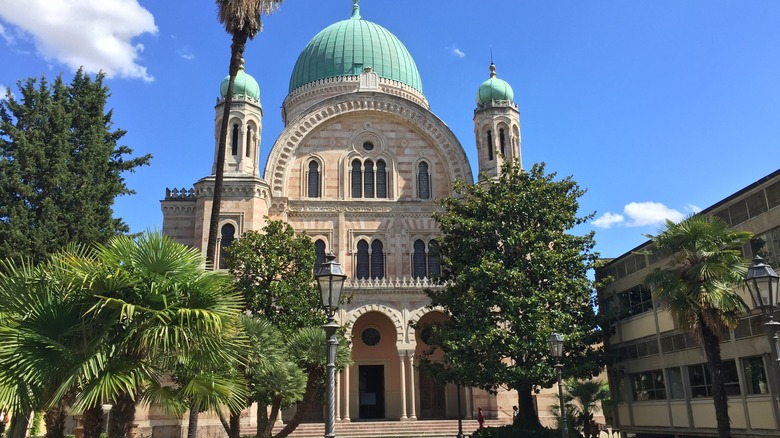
x=510, y=431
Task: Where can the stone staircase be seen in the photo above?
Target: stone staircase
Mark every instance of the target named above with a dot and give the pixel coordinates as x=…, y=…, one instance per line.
x=392, y=429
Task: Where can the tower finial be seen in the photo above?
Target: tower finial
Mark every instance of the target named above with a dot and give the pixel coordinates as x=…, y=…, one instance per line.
x=492, y=69
x=491, y=55
x=355, y=10
x=241, y=66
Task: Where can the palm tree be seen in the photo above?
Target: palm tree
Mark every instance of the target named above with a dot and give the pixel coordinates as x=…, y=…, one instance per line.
x=583, y=399
x=242, y=19
x=164, y=310
x=696, y=286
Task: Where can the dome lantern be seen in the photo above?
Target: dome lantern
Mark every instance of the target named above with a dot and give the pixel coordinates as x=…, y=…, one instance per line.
x=494, y=90
x=245, y=86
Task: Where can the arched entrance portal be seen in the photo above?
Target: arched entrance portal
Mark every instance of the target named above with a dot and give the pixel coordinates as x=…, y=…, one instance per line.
x=375, y=380
x=433, y=395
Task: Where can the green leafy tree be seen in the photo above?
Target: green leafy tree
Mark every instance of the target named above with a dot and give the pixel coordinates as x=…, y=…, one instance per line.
x=60, y=166
x=242, y=20
x=164, y=309
x=584, y=398
x=696, y=286
x=512, y=273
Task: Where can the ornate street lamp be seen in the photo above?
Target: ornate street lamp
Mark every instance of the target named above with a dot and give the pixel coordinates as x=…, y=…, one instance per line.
x=556, y=351
x=762, y=282
x=330, y=280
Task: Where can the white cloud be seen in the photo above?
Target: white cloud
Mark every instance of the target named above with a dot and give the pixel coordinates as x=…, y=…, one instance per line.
x=186, y=53
x=95, y=34
x=608, y=219
x=3, y=90
x=6, y=35
x=456, y=51
x=692, y=208
x=640, y=214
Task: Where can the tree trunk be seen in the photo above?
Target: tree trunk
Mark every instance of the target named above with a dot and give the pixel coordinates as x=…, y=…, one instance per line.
x=236, y=54
x=19, y=423
x=315, y=376
x=54, y=419
x=719, y=398
x=235, y=425
x=262, y=420
x=276, y=404
x=192, y=428
x=527, y=417
x=92, y=422
x=121, y=417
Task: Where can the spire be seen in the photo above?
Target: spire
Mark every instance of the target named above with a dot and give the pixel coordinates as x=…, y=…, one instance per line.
x=355, y=10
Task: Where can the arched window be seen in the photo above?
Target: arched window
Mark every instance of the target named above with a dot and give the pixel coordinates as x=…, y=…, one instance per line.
x=248, y=141
x=381, y=179
x=434, y=261
x=362, y=265
x=357, y=181
x=490, y=145
x=423, y=181
x=377, y=260
x=368, y=179
x=234, y=140
x=319, y=254
x=314, y=179
x=228, y=234
x=418, y=260
x=502, y=141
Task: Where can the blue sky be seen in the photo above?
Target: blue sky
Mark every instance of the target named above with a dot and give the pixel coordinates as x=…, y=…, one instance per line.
x=658, y=108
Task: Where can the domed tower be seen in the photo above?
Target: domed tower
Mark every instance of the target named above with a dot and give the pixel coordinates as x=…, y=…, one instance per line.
x=496, y=125
x=244, y=127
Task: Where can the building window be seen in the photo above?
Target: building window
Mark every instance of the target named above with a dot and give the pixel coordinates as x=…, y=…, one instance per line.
x=755, y=375
x=362, y=266
x=502, y=141
x=377, y=260
x=248, y=141
x=676, y=389
x=368, y=146
x=423, y=181
x=228, y=234
x=370, y=336
x=425, y=263
x=635, y=301
x=701, y=381
x=368, y=179
x=648, y=385
x=381, y=179
x=490, y=145
x=314, y=179
x=319, y=254
x=234, y=140
x=357, y=179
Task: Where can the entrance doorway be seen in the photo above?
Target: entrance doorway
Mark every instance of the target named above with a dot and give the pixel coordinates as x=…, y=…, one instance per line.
x=372, y=391
x=431, y=398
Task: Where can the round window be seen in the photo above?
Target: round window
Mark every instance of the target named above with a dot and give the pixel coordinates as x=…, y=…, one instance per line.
x=368, y=146
x=370, y=336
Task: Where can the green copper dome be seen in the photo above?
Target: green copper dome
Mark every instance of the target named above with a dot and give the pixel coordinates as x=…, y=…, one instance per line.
x=347, y=47
x=244, y=86
x=494, y=89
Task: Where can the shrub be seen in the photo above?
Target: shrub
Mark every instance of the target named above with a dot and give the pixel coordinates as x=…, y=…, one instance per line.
x=510, y=431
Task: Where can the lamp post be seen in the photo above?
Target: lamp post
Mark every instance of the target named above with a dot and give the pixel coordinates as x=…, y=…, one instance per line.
x=330, y=280
x=107, y=410
x=556, y=351
x=460, y=416
x=762, y=282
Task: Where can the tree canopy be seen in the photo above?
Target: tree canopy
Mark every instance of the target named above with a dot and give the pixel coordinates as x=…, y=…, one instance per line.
x=60, y=166
x=513, y=273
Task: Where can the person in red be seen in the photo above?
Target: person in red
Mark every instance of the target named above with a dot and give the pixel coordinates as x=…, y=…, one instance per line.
x=480, y=418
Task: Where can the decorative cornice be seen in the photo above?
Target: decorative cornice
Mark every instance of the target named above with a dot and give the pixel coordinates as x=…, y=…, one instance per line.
x=236, y=188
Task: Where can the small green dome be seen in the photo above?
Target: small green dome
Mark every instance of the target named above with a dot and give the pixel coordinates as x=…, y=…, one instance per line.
x=244, y=86
x=347, y=47
x=494, y=89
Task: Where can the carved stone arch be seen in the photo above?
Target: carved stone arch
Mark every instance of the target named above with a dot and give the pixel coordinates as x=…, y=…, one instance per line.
x=425, y=122
x=416, y=315
x=393, y=314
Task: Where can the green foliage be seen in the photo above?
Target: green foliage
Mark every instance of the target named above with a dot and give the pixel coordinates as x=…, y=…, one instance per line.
x=510, y=431
x=35, y=425
x=512, y=273
x=583, y=398
x=274, y=270
x=60, y=166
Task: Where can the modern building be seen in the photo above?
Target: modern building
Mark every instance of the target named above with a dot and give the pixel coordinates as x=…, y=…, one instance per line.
x=661, y=379
x=358, y=167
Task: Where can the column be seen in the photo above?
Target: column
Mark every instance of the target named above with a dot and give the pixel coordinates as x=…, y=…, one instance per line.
x=346, y=395
x=469, y=408
x=402, y=357
x=338, y=396
x=413, y=409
